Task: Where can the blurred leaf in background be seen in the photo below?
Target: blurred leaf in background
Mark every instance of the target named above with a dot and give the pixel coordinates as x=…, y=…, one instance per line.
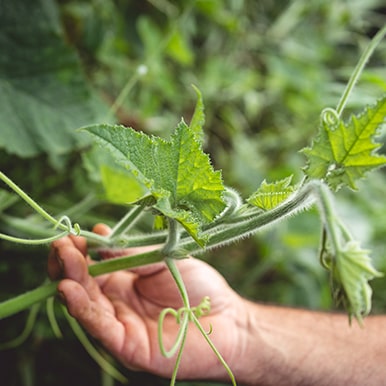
x=44, y=93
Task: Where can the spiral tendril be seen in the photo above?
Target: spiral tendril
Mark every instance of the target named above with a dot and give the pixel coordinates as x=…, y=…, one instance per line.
x=71, y=229
x=182, y=316
x=330, y=116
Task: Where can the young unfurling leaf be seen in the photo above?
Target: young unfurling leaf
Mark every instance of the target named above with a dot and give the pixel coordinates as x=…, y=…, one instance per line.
x=269, y=195
x=176, y=174
x=343, y=152
x=352, y=269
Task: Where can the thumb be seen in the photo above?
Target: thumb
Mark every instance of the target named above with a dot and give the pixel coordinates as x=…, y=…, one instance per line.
x=102, y=229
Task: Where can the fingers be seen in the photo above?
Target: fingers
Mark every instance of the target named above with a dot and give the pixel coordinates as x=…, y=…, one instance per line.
x=54, y=263
x=71, y=250
x=98, y=317
x=54, y=266
x=80, y=243
x=67, y=260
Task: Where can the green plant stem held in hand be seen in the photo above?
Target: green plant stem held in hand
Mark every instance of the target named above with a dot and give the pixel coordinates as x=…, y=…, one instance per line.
x=183, y=316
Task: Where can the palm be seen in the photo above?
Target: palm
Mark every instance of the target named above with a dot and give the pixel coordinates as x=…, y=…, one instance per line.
x=122, y=309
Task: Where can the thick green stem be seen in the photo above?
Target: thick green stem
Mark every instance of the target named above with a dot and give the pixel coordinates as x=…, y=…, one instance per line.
x=126, y=262
x=27, y=299
x=218, y=236
x=172, y=239
x=245, y=226
x=171, y=264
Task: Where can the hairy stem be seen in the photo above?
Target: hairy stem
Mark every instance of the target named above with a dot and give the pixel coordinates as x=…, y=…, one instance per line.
x=172, y=239
x=219, y=235
x=245, y=226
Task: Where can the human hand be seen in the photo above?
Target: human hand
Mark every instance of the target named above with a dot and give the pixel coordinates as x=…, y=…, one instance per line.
x=121, y=310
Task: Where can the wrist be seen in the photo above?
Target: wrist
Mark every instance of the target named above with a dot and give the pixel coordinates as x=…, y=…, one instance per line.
x=255, y=357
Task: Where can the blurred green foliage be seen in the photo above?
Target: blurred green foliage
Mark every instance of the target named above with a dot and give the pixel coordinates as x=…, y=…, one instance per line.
x=265, y=68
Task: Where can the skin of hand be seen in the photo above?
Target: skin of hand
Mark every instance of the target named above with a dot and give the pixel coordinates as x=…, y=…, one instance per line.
x=262, y=344
x=121, y=310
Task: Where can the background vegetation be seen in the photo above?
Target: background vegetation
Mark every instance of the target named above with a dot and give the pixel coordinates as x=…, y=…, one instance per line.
x=265, y=68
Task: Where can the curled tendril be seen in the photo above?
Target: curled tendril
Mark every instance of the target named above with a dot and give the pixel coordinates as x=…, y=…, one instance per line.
x=76, y=229
x=64, y=223
x=202, y=309
x=182, y=316
x=330, y=116
x=233, y=202
x=72, y=229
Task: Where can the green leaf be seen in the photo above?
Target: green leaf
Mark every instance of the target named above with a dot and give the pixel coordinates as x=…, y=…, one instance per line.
x=175, y=173
x=269, y=195
x=343, y=152
x=44, y=95
x=120, y=187
x=352, y=270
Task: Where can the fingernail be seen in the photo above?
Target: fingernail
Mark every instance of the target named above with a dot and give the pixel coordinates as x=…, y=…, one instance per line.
x=59, y=259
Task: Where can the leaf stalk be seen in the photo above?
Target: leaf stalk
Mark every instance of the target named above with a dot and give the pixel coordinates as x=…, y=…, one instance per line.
x=359, y=69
